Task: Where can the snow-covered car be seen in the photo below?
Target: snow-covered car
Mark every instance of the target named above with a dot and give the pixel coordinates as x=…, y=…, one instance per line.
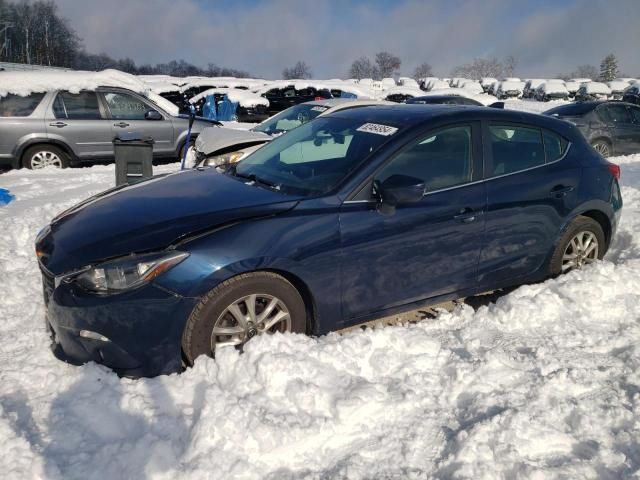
x=551, y=90
x=632, y=94
x=530, y=87
x=508, y=89
x=593, y=91
x=617, y=88
x=402, y=94
x=472, y=87
x=487, y=83
x=572, y=87
x=221, y=145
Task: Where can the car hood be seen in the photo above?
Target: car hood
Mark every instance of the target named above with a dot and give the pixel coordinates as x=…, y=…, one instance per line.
x=152, y=215
x=219, y=139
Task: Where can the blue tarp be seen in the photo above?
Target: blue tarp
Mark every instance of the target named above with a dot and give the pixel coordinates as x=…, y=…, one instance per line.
x=227, y=110
x=209, y=108
x=5, y=197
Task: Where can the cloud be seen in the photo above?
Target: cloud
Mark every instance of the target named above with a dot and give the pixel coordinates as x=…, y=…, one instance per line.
x=263, y=37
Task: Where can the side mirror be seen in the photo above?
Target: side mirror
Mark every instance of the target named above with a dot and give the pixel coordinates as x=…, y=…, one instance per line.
x=153, y=115
x=399, y=189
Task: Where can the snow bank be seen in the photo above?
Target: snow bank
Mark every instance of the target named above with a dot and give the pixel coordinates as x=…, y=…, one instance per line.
x=544, y=383
x=24, y=83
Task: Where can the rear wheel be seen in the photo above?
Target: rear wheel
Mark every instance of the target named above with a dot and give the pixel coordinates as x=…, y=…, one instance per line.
x=259, y=303
x=582, y=244
x=603, y=147
x=42, y=156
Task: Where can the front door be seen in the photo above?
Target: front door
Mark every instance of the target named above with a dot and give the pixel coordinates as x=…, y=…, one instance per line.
x=424, y=249
x=128, y=115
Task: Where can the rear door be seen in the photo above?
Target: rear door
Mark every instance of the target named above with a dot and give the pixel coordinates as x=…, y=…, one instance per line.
x=529, y=194
x=623, y=130
x=79, y=120
x=127, y=112
x=424, y=249
x=635, y=117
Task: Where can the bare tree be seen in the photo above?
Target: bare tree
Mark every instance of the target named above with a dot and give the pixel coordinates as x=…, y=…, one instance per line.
x=362, y=68
x=422, y=71
x=509, y=66
x=586, y=71
x=388, y=64
x=479, y=68
x=299, y=70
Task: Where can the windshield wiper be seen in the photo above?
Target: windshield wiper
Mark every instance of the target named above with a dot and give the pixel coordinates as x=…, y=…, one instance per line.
x=253, y=178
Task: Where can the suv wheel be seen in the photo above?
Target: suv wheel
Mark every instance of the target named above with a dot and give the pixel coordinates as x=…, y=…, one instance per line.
x=258, y=303
x=582, y=243
x=42, y=156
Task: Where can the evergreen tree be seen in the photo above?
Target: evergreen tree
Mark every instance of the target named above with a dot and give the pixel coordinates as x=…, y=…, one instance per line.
x=609, y=68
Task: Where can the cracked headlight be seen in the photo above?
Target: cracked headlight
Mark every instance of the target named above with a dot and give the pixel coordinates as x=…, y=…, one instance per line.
x=126, y=273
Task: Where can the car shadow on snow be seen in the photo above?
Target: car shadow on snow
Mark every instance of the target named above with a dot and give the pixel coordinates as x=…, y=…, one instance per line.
x=107, y=427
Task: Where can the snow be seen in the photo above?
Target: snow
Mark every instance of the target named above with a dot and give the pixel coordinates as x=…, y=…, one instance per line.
x=243, y=98
x=24, y=83
x=597, y=88
x=617, y=86
x=553, y=87
x=543, y=383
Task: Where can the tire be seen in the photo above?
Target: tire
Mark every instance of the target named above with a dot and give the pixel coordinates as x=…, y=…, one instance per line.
x=213, y=310
x=603, y=147
x=41, y=156
x=587, y=227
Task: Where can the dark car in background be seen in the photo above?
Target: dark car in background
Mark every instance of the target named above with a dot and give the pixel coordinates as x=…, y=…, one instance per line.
x=443, y=100
x=611, y=127
x=282, y=98
x=632, y=94
x=355, y=215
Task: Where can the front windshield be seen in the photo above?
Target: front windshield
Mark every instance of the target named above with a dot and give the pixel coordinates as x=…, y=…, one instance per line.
x=290, y=118
x=315, y=157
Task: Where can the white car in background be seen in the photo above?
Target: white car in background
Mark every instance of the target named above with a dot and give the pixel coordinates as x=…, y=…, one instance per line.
x=617, y=88
x=593, y=91
x=508, y=89
x=551, y=90
x=222, y=145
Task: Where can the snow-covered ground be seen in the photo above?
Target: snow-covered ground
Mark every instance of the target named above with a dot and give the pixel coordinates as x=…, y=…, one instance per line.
x=545, y=383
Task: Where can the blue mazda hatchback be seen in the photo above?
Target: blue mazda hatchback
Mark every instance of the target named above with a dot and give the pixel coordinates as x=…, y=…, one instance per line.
x=353, y=216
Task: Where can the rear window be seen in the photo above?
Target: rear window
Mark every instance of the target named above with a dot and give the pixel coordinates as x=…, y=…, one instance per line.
x=554, y=146
x=77, y=106
x=17, y=106
x=515, y=148
x=571, y=109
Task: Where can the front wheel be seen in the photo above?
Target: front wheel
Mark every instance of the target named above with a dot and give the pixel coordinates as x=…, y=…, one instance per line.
x=258, y=303
x=581, y=244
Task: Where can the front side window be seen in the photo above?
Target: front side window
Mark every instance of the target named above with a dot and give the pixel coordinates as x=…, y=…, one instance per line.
x=315, y=157
x=17, y=106
x=441, y=159
x=77, y=106
x=515, y=148
x=125, y=107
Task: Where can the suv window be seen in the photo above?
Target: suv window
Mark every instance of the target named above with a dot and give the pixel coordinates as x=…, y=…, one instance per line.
x=125, y=107
x=77, y=106
x=554, y=145
x=515, y=148
x=441, y=159
x=17, y=106
x=635, y=114
x=617, y=114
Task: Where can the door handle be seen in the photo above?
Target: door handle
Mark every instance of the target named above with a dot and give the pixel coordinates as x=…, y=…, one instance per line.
x=466, y=215
x=121, y=124
x=560, y=191
x=58, y=124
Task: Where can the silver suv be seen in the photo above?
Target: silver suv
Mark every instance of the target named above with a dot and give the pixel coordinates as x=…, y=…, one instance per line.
x=60, y=128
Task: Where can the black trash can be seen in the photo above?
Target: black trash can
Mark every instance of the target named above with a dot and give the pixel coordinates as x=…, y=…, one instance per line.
x=134, y=157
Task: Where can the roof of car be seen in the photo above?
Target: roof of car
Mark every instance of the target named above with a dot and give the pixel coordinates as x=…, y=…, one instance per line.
x=581, y=108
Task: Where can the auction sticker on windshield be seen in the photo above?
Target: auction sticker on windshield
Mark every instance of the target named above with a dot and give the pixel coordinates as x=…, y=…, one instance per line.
x=378, y=129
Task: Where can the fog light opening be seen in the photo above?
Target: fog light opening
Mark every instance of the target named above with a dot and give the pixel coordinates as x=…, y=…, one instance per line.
x=93, y=336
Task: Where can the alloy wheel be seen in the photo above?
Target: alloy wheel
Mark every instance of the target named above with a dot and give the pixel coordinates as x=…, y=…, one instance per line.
x=256, y=314
x=602, y=148
x=45, y=158
x=581, y=250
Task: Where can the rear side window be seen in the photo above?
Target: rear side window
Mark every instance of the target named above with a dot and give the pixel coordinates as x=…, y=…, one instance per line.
x=77, y=106
x=635, y=114
x=515, y=148
x=554, y=146
x=617, y=114
x=17, y=106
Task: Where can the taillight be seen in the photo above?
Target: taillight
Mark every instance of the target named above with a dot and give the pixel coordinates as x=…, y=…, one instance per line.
x=614, y=169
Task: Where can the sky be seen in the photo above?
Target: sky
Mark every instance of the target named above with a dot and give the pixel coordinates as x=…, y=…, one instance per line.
x=547, y=37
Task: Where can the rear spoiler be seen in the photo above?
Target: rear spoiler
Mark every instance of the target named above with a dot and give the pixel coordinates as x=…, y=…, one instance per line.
x=497, y=105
